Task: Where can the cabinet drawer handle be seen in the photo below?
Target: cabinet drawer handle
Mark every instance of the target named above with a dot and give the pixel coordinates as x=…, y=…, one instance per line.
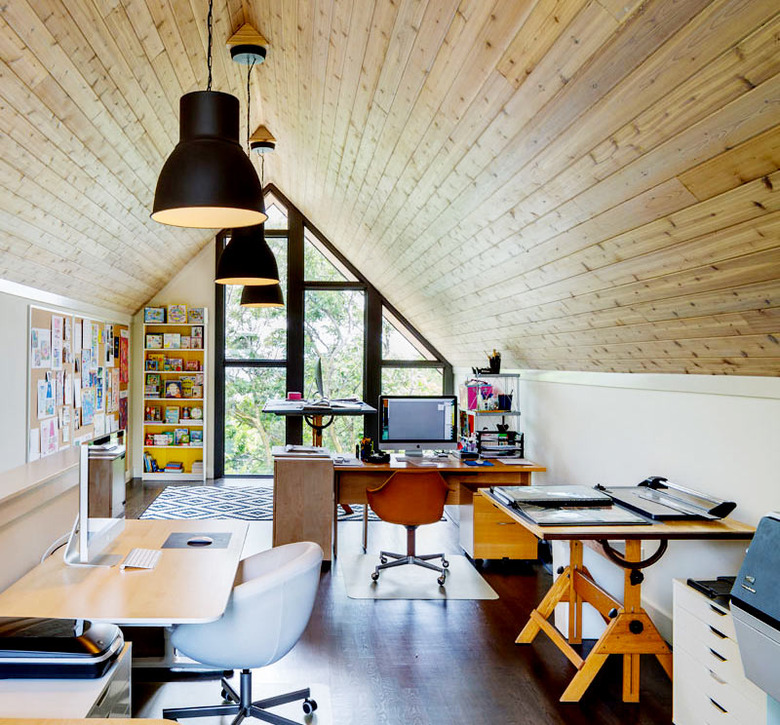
x=717, y=633
x=718, y=656
x=716, y=678
x=722, y=709
x=717, y=611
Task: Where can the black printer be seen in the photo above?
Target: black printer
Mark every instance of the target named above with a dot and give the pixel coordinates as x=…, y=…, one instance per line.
x=57, y=648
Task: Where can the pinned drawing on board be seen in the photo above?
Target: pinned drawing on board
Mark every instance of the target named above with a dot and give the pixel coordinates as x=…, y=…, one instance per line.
x=49, y=437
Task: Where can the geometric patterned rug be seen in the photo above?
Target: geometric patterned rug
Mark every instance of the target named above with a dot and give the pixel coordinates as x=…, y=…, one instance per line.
x=217, y=502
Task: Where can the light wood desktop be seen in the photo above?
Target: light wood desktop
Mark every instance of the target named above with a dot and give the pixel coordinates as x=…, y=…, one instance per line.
x=630, y=632
x=188, y=585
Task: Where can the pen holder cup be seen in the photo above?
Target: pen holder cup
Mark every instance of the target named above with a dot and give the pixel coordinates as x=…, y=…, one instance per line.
x=505, y=402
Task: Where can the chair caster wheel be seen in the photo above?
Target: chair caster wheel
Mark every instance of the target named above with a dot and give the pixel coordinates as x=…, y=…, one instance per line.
x=445, y=563
x=375, y=575
x=383, y=560
x=441, y=580
x=309, y=706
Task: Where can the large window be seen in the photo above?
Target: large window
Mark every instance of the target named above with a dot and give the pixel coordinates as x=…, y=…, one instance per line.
x=332, y=316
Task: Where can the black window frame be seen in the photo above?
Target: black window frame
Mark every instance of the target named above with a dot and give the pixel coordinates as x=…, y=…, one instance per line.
x=297, y=286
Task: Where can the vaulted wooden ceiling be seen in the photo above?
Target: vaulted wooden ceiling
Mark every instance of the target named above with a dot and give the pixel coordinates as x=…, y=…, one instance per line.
x=581, y=184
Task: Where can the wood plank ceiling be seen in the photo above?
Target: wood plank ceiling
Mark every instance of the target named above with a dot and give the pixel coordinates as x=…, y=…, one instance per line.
x=582, y=184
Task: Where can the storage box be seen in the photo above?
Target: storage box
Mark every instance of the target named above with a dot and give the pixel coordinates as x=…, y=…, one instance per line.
x=473, y=392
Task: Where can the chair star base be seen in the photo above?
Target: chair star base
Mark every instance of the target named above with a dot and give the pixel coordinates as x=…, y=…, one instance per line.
x=411, y=558
x=242, y=706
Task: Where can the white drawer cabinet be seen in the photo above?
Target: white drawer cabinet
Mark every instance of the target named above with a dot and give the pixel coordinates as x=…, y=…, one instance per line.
x=709, y=683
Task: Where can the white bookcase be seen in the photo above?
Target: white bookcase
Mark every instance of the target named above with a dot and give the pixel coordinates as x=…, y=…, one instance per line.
x=175, y=400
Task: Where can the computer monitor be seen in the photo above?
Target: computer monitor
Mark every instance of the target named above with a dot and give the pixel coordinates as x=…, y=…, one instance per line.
x=414, y=423
x=92, y=534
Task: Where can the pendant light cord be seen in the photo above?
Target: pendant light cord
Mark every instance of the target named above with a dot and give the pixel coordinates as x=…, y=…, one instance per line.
x=248, y=132
x=210, y=17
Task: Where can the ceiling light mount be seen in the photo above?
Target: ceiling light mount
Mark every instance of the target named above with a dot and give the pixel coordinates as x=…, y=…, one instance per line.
x=262, y=141
x=247, y=46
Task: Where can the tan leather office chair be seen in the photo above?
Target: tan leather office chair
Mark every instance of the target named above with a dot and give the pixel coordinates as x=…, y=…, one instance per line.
x=410, y=498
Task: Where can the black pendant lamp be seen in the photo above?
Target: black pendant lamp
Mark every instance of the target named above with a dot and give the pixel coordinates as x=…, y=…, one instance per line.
x=247, y=259
x=208, y=182
x=269, y=295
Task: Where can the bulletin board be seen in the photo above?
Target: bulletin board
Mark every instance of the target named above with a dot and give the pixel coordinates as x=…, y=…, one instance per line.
x=78, y=379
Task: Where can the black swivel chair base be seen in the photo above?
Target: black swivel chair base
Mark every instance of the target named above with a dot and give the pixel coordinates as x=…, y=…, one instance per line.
x=241, y=705
x=410, y=557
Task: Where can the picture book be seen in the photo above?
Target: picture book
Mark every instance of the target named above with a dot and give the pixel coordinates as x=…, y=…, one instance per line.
x=172, y=341
x=196, y=437
x=181, y=437
x=172, y=414
x=154, y=341
x=196, y=316
x=173, y=389
x=177, y=314
x=192, y=365
x=154, y=315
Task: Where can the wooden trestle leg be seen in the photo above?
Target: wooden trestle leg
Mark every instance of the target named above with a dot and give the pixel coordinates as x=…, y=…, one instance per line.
x=630, y=632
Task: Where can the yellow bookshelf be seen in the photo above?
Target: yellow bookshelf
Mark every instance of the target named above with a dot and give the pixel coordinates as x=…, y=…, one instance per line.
x=175, y=376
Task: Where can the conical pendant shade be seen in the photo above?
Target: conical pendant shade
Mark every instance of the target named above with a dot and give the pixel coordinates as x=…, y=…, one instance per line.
x=268, y=295
x=208, y=182
x=247, y=259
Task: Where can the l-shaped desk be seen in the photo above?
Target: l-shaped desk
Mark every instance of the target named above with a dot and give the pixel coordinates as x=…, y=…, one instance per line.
x=325, y=486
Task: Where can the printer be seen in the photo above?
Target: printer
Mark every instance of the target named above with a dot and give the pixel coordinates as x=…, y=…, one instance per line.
x=57, y=648
x=755, y=607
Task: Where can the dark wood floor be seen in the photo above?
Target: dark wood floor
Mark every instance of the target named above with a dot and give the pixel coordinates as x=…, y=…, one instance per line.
x=430, y=662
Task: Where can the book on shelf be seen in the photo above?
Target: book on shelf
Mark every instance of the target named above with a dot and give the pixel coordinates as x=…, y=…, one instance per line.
x=172, y=414
x=172, y=341
x=174, y=467
x=173, y=389
x=154, y=341
x=154, y=315
x=181, y=437
x=196, y=438
x=177, y=314
x=196, y=315
x=197, y=467
x=192, y=365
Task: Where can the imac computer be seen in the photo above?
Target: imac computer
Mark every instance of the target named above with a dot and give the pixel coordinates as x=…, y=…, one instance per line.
x=92, y=534
x=417, y=423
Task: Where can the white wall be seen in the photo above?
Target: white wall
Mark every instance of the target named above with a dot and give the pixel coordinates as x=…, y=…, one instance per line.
x=193, y=286
x=717, y=434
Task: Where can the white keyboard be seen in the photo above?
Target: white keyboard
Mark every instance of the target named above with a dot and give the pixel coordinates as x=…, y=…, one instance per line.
x=141, y=559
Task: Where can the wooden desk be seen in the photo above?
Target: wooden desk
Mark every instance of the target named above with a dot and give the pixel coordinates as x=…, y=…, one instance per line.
x=189, y=585
x=630, y=632
x=351, y=482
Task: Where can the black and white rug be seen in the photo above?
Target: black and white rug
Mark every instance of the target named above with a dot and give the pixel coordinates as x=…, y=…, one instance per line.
x=217, y=502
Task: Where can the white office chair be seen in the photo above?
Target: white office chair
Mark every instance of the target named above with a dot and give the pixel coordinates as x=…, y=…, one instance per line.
x=268, y=610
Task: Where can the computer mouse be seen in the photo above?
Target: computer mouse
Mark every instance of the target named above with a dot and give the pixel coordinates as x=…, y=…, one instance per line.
x=200, y=541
